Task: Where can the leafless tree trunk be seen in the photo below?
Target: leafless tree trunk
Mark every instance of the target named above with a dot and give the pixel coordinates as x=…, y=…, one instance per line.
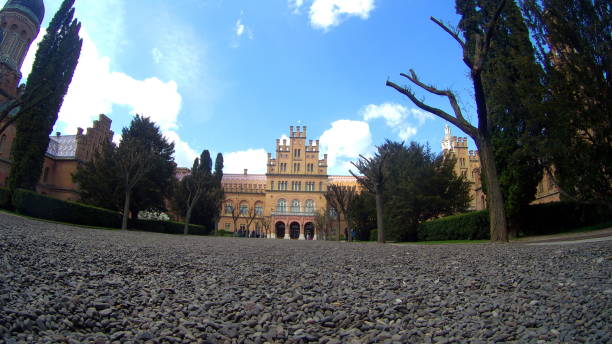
x=481, y=134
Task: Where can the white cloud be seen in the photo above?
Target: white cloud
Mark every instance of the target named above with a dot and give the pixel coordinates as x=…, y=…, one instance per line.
x=327, y=13
x=255, y=160
x=239, y=28
x=95, y=89
x=344, y=142
x=397, y=117
x=296, y=5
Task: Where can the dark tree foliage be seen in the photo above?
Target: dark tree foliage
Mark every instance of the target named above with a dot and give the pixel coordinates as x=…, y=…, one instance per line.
x=363, y=213
x=373, y=178
x=98, y=180
x=54, y=65
x=208, y=209
x=574, y=47
x=420, y=186
x=158, y=184
x=191, y=188
x=514, y=94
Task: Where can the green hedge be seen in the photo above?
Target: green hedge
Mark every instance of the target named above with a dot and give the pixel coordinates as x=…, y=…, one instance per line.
x=43, y=207
x=167, y=227
x=540, y=219
x=469, y=226
x=551, y=218
x=224, y=233
x=4, y=198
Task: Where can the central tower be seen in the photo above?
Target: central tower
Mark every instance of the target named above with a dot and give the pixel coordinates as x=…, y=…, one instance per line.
x=20, y=22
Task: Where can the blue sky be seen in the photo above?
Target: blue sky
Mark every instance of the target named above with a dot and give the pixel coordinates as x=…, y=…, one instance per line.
x=231, y=76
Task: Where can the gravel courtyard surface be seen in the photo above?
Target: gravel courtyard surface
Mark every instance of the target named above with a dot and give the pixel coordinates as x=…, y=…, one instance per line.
x=69, y=284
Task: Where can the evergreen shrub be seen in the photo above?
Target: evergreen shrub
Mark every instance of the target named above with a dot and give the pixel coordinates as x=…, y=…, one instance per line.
x=469, y=226
x=43, y=207
x=167, y=227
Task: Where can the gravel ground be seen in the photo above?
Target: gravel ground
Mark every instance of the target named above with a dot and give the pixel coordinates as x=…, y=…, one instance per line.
x=75, y=285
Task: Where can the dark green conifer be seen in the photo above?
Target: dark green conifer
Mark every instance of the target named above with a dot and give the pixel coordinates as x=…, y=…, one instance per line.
x=54, y=65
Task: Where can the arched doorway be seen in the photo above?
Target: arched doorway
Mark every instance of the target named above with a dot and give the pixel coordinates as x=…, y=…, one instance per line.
x=294, y=230
x=309, y=231
x=280, y=230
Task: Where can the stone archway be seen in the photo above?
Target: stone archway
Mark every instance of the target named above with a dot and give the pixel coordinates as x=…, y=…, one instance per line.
x=294, y=230
x=280, y=230
x=309, y=231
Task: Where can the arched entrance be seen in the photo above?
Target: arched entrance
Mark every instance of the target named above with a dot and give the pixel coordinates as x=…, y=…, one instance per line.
x=280, y=230
x=294, y=230
x=309, y=231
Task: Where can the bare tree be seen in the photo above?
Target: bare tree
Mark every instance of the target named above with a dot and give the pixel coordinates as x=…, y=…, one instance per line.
x=341, y=197
x=234, y=212
x=265, y=224
x=133, y=163
x=373, y=180
x=250, y=216
x=475, y=60
x=322, y=223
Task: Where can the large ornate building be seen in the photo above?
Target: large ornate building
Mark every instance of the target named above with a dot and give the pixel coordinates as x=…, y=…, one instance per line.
x=288, y=197
x=20, y=22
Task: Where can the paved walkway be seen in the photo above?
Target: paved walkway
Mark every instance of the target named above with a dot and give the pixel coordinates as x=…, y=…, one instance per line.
x=568, y=238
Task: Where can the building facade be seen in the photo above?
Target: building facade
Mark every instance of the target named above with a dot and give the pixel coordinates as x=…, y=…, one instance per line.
x=62, y=158
x=468, y=165
x=284, y=202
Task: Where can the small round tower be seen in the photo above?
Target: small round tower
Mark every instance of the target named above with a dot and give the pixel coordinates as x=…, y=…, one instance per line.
x=20, y=22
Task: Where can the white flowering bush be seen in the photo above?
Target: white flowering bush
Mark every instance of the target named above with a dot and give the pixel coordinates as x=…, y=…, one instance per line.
x=153, y=215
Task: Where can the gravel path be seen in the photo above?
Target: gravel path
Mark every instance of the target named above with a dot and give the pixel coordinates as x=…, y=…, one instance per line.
x=68, y=284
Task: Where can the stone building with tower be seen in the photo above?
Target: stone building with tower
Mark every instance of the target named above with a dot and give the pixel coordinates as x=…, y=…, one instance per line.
x=468, y=165
x=20, y=22
x=288, y=196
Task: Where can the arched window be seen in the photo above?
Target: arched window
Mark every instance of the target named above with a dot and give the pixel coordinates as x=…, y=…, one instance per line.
x=295, y=206
x=2, y=141
x=229, y=207
x=244, y=208
x=281, y=205
x=258, y=209
x=310, y=206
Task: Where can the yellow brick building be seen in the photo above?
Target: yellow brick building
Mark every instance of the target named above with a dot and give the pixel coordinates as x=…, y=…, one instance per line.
x=468, y=165
x=282, y=203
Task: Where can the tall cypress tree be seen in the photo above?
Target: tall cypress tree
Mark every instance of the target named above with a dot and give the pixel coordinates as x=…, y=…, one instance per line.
x=514, y=94
x=574, y=46
x=56, y=60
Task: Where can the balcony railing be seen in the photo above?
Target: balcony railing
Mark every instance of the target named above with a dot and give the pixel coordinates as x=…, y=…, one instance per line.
x=288, y=212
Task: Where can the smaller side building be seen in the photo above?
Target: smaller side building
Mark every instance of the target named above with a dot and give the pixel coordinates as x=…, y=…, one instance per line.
x=63, y=156
x=468, y=165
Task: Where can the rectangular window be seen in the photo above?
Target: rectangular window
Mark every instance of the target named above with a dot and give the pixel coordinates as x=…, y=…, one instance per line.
x=227, y=227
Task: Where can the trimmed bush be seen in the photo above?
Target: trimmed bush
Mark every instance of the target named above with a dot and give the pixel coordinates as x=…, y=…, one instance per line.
x=552, y=218
x=167, y=227
x=43, y=207
x=224, y=233
x=469, y=226
x=4, y=198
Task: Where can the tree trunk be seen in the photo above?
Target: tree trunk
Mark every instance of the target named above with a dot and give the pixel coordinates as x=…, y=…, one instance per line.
x=497, y=214
x=126, y=210
x=187, y=219
x=379, y=217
